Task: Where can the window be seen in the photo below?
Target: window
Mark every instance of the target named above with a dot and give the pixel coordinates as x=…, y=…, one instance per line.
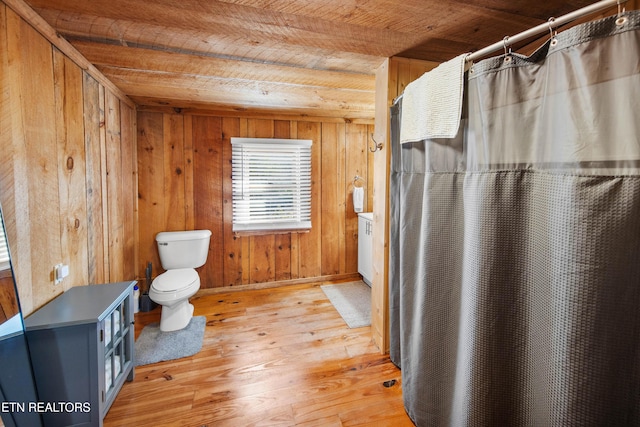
x=4, y=250
x=271, y=184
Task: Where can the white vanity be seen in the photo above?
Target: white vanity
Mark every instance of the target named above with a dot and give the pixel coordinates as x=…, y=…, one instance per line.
x=365, y=245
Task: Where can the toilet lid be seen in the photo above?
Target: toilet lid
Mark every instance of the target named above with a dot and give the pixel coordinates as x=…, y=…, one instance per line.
x=173, y=280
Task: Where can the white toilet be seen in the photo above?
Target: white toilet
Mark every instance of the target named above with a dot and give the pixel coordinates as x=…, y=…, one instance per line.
x=180, y=253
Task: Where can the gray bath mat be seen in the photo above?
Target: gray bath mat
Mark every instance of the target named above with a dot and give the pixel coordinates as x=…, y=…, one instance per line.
x=154, y=346
x=353, y=302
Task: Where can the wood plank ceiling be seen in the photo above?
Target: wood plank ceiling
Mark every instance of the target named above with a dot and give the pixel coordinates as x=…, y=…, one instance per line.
x=302, y=57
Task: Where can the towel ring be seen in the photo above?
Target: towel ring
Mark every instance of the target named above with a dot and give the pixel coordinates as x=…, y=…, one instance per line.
x=358, y=178
x=377, y=146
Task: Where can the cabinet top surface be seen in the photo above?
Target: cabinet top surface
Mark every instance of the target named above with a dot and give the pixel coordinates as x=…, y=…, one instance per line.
x=79, y=305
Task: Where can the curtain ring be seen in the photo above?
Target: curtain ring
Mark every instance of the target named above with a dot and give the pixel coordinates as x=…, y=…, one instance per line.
x=621, y=19
x=377, y=145
x=507, y=55
x=552, y=34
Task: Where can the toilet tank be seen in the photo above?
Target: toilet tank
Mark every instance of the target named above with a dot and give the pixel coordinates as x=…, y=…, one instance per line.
x=183, y=249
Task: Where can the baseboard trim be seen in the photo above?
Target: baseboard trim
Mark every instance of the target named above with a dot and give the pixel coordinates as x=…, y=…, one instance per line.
x=319, y=280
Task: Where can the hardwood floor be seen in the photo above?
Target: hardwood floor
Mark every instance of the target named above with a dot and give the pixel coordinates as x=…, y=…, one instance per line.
x=277, y=357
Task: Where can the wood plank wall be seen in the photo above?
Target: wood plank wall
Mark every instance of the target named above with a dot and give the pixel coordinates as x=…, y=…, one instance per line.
x=68, y=179
x=184, y=163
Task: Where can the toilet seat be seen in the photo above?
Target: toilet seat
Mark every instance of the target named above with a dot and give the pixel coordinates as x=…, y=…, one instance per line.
x=172, y=290
x=175, y=280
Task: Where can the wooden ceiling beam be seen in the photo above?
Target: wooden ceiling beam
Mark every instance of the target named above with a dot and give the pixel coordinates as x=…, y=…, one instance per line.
x=103, y=55
x=181, y=89
x=247, y=26
x=217, y=42
x=204, y=109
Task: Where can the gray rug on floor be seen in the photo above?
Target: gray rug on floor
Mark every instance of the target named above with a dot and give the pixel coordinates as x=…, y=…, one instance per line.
x=353, y=302
x=154, y=346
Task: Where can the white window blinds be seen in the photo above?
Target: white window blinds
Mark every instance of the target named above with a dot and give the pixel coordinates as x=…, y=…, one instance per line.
x=4, y=250
x=271, y=184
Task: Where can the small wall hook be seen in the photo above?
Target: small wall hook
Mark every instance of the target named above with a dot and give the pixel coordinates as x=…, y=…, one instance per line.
x=377, y=146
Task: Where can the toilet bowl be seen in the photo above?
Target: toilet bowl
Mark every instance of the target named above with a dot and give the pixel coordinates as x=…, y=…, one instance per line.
x=180, y=253
x=172, y=290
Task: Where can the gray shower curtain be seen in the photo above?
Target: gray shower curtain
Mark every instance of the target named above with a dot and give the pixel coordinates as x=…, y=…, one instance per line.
x=515, y=247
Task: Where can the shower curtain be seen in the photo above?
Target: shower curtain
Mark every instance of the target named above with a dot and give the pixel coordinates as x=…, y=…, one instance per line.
x=515, y=246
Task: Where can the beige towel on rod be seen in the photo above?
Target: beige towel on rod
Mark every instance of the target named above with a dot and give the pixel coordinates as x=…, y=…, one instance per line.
x=432, y=104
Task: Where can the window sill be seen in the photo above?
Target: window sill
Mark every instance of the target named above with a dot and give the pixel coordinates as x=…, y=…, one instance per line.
x=268, y=232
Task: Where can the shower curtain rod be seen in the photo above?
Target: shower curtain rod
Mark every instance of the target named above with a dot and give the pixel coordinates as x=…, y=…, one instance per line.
x=547, y=26
x=539, y=29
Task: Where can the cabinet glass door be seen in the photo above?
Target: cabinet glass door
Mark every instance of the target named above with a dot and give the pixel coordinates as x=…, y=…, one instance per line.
x=117, y=351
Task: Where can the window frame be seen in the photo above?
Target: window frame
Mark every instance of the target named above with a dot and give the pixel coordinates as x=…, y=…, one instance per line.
x=271, y=203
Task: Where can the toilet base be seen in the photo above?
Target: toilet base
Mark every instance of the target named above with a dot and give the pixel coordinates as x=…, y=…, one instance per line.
x=176, y=317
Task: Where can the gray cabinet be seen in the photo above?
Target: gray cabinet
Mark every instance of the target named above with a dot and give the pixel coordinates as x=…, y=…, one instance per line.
x=365, y=246
x=81, y=346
